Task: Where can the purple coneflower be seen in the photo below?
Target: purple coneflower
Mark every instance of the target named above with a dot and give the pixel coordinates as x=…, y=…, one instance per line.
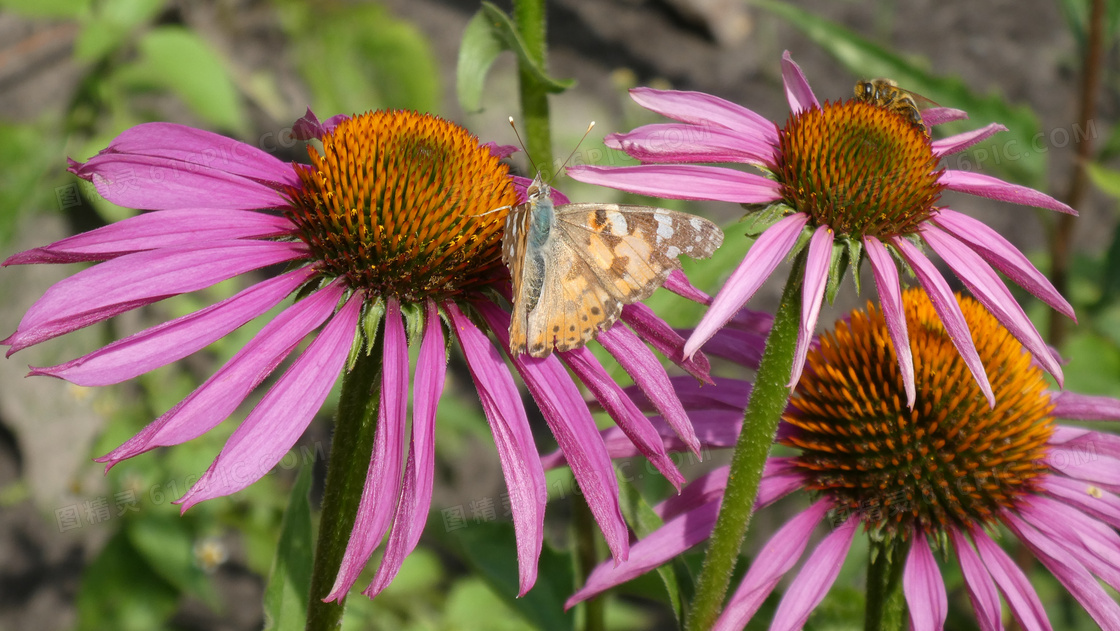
x=943, y=475
x=393, y=223
x=850, y=179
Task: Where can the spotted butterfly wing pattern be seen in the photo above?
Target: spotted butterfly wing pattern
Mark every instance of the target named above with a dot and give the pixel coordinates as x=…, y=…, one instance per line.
x=575, y=266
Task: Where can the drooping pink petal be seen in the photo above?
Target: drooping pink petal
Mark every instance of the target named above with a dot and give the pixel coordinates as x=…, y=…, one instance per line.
x=945, y=304
x=381, y=492
x=993, y=188
x=650, y=376
x=772, y=562
x=1088, y=498
x=676, y=536
x=419, y=474
x=626, y=415
x=767, y=252
x=890, y=301
x=987, y=288
x=283, y=414
x=658, y=334
x=673, y=143
x=1076, y=442
x=1016, y=588
x=678, y=283
x=981, y=589
x=742, y=347
x=924, y=588
x=1080, y=583
x=160, y=229
x=220, y=395
x=699, y=108
x=513, y=437
x=500, y=151
x=308, y=127
x=1085, y=407
x=815, y=578
x=1099, y=469
x=188, y=148
x=134, y=280
x=571, y=423
x=700, y=491
x=941, y=115
x=960, y=142
x=171, y=341
x=798, y=92
x=1001, y=254
x=1092, y=543
x=812, y=294
x=683, y=181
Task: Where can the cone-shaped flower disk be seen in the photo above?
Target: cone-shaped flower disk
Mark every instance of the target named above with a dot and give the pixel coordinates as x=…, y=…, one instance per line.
x=850, y=179
x=949, y=474
x=394, y=222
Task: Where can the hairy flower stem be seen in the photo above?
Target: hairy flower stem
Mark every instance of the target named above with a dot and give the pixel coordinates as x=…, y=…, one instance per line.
x=529, y=15
x=886, y=607
x=760, y=423
x=351, y=449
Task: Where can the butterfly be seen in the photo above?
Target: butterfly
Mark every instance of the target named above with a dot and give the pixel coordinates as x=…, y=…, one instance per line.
x=574, y=266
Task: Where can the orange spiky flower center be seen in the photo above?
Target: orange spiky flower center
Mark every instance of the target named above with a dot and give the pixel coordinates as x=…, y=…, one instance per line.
x=951, y=461
x=859, y=168
x=403, y=204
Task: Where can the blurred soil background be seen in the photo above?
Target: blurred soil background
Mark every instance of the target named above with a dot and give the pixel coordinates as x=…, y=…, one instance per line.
x=1019, y=50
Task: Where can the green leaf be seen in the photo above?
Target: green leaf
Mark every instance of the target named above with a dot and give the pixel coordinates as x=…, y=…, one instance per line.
x=490, y=549
x=166, y=541
x=358, y=57
x=111, y=25
x=121, y=570
x=678, y=580
x=1106, y=179
x=1019, y=154
x=481, y=46
x=180, y=61
x=289, y=582
x=504, y=29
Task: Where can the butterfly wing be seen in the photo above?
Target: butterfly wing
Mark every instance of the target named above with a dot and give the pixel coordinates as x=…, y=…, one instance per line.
x=526, y=268
x=605, y=256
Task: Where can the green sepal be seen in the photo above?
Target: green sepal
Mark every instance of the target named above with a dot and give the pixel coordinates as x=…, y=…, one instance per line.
x=413, y=313
x=837, y=266
x=855, y=259
x=759, y=218
x=369, y=322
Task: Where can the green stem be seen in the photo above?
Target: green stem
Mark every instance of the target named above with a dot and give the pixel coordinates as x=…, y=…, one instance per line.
x=587, y=557
x=886, y=607
x=351, y=448
x=529, y=15
x=760, y=423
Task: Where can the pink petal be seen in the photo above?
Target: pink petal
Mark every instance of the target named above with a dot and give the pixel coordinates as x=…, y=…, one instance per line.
x=740, y=347
x=308, y=127
x=629, y=419
x=798, y=92
x=1091, y=542
x=993, y=188
x=699, y=108
x=1086, y=465
x=671, y=539
x=683, y=181
x=1075, y=442
x=890, y=301
x=1016, y=588
x=570, y=421
x=513, y=438
x=650, y=376
x=1069, y=572
x=812, y=293
x=382, y=488
x=771, y=563
x=981, y=589
x=655, y=332
x=133, y=280
x=923, y=587
x=190, y=148
x=767, y=252
x=174, y=340
x=940, y=115
x=987, y=287
x=160, y=229
x=700, y=491
x=670, y=143
x=678, y=283
x=960, y=142
x=1085, y=407
x=220, y=395
x=945, y=304
x=283, y=414
x=419, y=473
x=1002, y=255
x=1085, y=497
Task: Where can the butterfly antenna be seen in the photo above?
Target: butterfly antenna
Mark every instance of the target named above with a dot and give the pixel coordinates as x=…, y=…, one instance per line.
x=574, y=150
x=523, y=147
